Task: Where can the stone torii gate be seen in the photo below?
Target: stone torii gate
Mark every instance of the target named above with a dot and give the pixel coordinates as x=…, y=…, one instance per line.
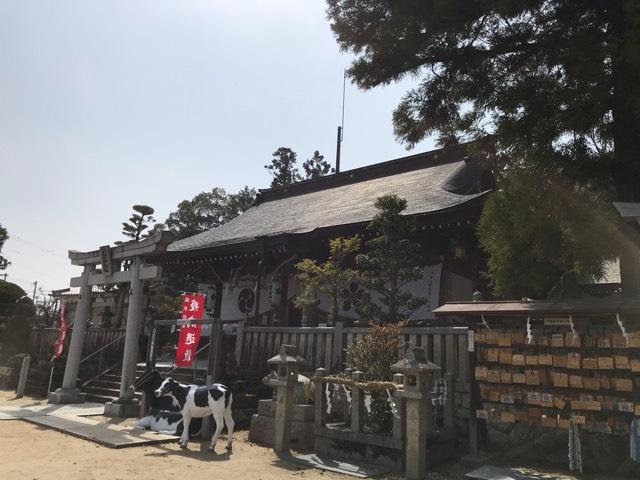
x=110, y=260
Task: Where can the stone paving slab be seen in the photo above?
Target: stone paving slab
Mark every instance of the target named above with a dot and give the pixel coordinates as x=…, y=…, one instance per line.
x=8, y=412
x=332, y=465
x=104, y=433
x=489, y=472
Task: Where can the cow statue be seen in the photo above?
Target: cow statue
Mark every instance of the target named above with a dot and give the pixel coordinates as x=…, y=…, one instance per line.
x=164, y=412
x=199, y=402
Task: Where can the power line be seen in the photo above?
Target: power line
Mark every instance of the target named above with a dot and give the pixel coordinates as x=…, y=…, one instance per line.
x=39, y=247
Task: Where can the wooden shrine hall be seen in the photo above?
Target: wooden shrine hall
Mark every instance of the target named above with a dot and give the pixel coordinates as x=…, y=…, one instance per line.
x=251, y=259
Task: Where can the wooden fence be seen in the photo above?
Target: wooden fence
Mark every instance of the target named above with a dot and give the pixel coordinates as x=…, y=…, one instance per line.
x=328, y=347
x=42, y=341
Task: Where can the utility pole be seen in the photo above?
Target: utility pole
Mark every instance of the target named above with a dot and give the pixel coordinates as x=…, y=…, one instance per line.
x=35, y=285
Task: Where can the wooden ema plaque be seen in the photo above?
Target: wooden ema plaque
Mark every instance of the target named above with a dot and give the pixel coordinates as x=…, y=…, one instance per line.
x=586, y=375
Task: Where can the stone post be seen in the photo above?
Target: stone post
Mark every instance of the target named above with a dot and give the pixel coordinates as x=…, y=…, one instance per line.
x=417, y=383
x=398, y=429
x=24, y=373
x=125, y=406
x=320, y=414
x=69, y=393
x=286, y=365
x=358, y=418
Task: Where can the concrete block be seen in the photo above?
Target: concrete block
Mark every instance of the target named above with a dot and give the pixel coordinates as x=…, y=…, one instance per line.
x=66, y=395
x=299, y=413
x=121, y=410
x=262, y=432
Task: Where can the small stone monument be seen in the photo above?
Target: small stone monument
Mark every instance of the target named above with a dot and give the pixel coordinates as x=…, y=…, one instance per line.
x=418, y=373
x=286, y=366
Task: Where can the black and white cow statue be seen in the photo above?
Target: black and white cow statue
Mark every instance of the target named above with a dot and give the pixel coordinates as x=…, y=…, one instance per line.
x=164, y=414
x=199, y=402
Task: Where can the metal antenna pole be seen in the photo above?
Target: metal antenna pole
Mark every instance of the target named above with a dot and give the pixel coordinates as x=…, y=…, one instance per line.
x=341, y=127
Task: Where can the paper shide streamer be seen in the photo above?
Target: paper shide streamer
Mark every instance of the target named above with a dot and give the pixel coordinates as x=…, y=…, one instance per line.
x=347, y=394
x=573, y=330
x=625, y=334
x=392, y=405
x=529, y=332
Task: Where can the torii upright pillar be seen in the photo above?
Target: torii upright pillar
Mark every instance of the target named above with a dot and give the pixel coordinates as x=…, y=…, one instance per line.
x=69, y=393
x=126, y=405
x=110, y=259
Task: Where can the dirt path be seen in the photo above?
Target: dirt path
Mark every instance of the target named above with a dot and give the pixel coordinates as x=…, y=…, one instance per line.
x=29, y=452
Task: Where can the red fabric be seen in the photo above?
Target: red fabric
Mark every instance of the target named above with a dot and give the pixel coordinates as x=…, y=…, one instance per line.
x=192, y=308
x=62, y=334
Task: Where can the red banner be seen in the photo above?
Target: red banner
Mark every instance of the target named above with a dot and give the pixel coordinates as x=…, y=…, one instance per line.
x=192, y=308
x=62, y=334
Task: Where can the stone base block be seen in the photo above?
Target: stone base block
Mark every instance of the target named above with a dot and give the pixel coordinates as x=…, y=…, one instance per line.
x=359, y=453
x=121, y=409
x=300, y=435
x=300, y=413
x=66, y=395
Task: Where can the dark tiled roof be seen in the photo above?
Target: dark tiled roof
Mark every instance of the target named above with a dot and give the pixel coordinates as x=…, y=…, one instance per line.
x=430, y=182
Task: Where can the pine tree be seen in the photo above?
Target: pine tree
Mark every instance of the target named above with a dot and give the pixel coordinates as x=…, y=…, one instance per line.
x=331, y=277
x=391, y=261
x=139, y=221
x=316, y=166
x=283, y=167
x=4, y=236
x=556, y=81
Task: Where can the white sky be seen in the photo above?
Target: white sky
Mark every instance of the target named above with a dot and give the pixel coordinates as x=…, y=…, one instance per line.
x=104, y=104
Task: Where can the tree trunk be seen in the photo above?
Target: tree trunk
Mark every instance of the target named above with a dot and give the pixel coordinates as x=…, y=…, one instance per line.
x=625, y=63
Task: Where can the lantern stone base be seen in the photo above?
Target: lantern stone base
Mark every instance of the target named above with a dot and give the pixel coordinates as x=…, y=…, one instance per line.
x=66, y=396
x=118, y=409
x=263, y=425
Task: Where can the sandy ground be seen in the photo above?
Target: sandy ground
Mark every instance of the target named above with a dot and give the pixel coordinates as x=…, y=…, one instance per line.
x=32, y=452
x=29, y=452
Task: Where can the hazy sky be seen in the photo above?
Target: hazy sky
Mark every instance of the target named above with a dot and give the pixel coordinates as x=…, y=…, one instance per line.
x=104, y=104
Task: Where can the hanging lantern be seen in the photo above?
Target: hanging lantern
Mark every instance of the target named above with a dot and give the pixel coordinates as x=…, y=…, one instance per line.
x=275, y=290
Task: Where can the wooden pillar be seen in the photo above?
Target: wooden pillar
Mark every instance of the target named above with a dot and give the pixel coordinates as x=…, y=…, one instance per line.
x=473, y=401
x=449, y=404
x=256, y=310
x=338, y=346
x=283, y=314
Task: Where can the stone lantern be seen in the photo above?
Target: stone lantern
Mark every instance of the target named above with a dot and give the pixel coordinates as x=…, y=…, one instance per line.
x=286, y=366
x=418, y=374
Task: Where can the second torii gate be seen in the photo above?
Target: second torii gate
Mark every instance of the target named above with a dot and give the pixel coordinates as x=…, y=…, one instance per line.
x=111, y=259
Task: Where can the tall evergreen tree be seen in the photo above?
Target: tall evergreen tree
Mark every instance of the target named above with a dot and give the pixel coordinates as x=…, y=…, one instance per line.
x=139, y=221
x=556, y=81
x=208, y=210
x=316, y=166
x=4, y=236
x=391, y=261
x=239, y=202
x=283, y=167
